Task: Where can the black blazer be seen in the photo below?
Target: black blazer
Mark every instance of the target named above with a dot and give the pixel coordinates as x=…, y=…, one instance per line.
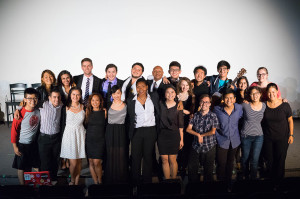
x=160, y=90
x=131, y=113
x=107, y=102
x=96, y=83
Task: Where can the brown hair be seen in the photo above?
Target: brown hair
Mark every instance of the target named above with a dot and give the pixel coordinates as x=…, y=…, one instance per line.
x=189, y=83
x=50, y=73
x=87, y=59
x=89, y=107
x=260, y=68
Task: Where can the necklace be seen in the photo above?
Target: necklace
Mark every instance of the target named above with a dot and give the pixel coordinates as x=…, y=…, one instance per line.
x=117, y=105
x=76, y=108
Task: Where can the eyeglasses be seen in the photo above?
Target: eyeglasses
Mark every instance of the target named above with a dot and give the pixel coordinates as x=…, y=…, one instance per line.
x=263, y=74
x=174, y=70
x=31, y=99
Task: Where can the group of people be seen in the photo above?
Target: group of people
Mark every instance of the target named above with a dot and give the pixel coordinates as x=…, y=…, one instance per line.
x=123, y=122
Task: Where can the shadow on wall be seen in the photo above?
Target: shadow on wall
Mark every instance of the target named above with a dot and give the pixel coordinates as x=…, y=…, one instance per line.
x=289, y=90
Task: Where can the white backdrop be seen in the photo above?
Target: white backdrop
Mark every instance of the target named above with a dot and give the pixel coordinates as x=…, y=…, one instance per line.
x=56, y=35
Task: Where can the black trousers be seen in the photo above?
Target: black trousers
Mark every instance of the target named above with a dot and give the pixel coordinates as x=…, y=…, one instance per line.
x=142, y=145
x=49, y=150
x=207, y=160
x=274, y=152
x=225, y=160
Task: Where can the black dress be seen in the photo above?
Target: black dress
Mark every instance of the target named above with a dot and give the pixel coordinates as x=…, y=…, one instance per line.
x=171, y=120
x=116, y=147
x=95, y=139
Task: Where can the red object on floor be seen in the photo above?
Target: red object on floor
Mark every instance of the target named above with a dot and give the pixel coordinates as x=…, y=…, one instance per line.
x=37, y=179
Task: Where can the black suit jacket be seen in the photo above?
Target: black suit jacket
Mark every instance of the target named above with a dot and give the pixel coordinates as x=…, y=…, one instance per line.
x=107, y=102
x=96, y=83
x=160, y=90
x=131, y=113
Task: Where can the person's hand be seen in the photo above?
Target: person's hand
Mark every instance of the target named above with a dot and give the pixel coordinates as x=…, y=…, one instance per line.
x=285, y=100
x=191, y=116
x=181, y=144
x=186, y=112
x=291, y=139
x=17, y=115
x=180, y=106
x=208, y=83
x=17, y=152
x=200, y=139
x=232, y=87
x=192, y=84
x=165, y=80
x=246, y=102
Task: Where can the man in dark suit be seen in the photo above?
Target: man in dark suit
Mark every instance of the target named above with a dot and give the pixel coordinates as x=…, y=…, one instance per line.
x=88, y=82
x=156, y=85
x=108, y=82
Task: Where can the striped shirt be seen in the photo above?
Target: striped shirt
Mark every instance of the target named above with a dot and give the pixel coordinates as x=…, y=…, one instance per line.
x=202, y=124
x=50, y=118
x=252, y=120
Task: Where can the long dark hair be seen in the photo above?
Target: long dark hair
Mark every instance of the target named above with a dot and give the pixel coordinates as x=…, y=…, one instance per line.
x=59, y=82
x=239, y=98
x=69, y=101
x=89, y=107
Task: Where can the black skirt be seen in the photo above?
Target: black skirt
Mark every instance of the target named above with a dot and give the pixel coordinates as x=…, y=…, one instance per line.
x=116, y=170
x=168, y=142
x=29, y=157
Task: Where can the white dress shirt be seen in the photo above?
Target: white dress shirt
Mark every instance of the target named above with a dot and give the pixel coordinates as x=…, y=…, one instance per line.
x=144, y=117
x=83, y=85
x=157, y=84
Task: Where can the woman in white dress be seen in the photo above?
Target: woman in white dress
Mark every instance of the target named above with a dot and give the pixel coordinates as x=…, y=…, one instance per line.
x=73, y=140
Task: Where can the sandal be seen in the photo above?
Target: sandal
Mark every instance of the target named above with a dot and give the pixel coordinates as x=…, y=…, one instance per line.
x=71, y=183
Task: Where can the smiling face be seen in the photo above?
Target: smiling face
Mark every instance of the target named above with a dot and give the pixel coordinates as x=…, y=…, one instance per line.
x=87, y=68
x=54, y=98
x=199, y=75
x=242, y=85
x=95, y=102
x=205, y=104
x=111, y=73
x=262, y=75
x=75, y=96
x=223, y=71
x=272, y=93
x=157, y=73
x=170, y=94
x=255, y=95
x=48, y=79
x=30, y=101
x=141, y=88
x=65, y=79
x=184, y=86
x=229, y=100
x=174, y=71
x=136, y=71
x=117, y=95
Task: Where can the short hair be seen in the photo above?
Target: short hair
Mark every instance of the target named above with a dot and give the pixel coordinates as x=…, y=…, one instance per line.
x=256, y=88
x=64, y=72
x=141, y=80
x=201, y=68
x=262, y=68
x=87, y=59
x=270, y=85
x=115, y=88
x=111, y=66
x=228, y=91
x=174, y=63
x=50, y=73
x=203, y=96
x=223, y=63
x=69, y=101
x=30, y=91
x=54, y=89
x=139, y=64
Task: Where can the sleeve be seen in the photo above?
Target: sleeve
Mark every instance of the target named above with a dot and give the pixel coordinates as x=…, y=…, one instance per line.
x=215, y=121
x=180, y=119
x=279, y=93
x=288, y=110
x=253, y=84
x=192, y=120
x=15, y=130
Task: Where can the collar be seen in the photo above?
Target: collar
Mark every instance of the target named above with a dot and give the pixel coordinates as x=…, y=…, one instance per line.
x=85, y=77
x=148, y=97
x=113, y=81
x=157, y=82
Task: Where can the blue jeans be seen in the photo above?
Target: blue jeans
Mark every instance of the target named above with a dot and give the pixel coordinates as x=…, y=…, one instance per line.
x=251, y=147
